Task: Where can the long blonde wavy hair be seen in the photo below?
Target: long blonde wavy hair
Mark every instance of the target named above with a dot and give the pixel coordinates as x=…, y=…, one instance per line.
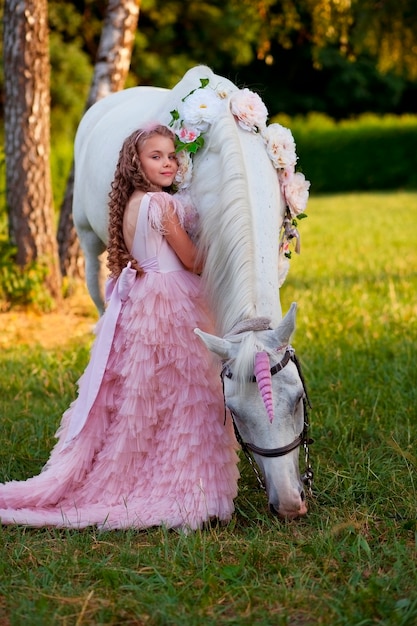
x=128, y=177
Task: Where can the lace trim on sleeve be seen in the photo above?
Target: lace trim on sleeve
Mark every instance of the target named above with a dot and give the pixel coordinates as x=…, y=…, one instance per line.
x=192, y=219
x=158, y=207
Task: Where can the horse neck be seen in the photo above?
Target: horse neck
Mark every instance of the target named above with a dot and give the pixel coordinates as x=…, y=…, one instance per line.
x=236, y=192
x=267, y=214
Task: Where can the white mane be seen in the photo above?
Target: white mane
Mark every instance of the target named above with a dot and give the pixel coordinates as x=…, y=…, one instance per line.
x=236, y=191
x=220, y=189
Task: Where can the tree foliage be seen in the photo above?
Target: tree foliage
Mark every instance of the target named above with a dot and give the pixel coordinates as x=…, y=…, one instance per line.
x=336, y=56
x=340, y=57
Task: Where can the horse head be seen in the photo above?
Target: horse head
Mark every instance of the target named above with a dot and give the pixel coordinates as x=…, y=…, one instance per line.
x=271, y=422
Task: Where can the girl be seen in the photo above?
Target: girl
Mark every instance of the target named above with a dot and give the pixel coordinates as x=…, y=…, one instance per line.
x=145, y=443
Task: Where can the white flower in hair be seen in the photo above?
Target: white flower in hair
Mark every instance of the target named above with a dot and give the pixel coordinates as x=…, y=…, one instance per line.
x=249, y=110
x=199, y=110
x=222, y=92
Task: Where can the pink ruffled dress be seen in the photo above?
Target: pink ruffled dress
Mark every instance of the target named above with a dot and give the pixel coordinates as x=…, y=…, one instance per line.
x=146, y=442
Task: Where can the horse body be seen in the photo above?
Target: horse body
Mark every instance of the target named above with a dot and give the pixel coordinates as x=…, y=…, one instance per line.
x=99, y=138
x=236, y=191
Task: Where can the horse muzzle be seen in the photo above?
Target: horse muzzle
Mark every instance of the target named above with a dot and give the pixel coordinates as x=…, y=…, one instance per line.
x=291, y=509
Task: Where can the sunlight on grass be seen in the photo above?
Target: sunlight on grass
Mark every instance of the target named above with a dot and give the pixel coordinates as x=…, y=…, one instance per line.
x=357, y=268
x=352, y=560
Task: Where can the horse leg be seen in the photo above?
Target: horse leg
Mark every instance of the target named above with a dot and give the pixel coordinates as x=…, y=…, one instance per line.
x=93, y=249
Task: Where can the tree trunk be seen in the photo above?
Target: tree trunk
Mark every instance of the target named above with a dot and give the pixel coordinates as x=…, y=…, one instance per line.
x=27, y=136
x=110, y=73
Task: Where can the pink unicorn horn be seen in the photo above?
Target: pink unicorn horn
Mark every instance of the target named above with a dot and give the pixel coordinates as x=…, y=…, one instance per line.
x=263, y=378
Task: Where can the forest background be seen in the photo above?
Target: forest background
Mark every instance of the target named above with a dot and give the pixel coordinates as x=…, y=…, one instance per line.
x=317, y=65
x=299, y=66
x=342, y=74
x=340, y=59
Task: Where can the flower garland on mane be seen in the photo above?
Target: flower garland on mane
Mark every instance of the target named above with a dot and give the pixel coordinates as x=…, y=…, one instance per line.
x=199, y=109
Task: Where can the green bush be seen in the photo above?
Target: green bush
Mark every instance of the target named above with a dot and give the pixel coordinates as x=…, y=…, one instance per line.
x=368, y=153
x=22, y=286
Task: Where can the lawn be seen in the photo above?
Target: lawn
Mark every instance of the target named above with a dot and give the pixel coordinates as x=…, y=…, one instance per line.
x=352, y=561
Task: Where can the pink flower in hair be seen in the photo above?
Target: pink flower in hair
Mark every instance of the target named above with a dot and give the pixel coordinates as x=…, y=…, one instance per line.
x=150, y=126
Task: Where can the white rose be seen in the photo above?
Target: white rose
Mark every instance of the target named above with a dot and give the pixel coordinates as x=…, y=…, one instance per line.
x=296, y=193
x=248, y=109
x=200, y=109
x=280, y=146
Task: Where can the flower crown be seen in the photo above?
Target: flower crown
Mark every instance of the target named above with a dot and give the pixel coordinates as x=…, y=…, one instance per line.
x=199, y=109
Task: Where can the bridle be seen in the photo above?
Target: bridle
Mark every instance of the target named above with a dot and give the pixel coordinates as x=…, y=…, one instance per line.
x=302, y=440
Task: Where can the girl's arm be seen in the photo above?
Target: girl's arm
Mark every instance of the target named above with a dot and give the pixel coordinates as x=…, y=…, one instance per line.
x=180, y=242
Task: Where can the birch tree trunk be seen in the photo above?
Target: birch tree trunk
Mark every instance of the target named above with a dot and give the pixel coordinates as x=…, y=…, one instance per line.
x=27, y=137
x=110, y=73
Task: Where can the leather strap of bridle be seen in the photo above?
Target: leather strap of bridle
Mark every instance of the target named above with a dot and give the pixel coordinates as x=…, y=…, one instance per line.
x=274, y=369
x=274, y=452
x=302, y=438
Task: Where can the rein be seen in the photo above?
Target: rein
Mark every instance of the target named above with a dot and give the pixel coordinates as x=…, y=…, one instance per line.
x=302, y=440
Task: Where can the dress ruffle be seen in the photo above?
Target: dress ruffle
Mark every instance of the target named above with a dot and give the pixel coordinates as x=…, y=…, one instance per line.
x=156, y=448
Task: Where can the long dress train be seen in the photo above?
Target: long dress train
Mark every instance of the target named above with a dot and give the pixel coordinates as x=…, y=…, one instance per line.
x=154, y=447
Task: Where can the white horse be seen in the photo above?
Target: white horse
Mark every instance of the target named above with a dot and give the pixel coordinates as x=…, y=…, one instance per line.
x=235, y=188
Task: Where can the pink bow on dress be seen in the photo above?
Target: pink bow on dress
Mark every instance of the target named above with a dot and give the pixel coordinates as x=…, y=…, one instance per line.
x=117, y=292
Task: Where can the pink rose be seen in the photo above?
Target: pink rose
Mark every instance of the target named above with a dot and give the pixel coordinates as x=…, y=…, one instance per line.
x=285, y=176
x=296, y=193
x=249, y=110
x=280, y=146
x=187, y=135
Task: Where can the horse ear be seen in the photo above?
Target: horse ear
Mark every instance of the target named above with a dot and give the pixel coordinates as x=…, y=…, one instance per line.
x=281, y=335
x=221, y=347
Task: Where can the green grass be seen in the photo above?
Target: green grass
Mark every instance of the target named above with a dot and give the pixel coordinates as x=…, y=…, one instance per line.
x=353, y=560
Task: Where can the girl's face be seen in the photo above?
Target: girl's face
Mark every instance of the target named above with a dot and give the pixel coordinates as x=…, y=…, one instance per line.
x=158, y=160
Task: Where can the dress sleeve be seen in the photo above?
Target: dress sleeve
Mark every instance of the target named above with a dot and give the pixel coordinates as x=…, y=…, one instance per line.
x=192, y=218
x=158, y=206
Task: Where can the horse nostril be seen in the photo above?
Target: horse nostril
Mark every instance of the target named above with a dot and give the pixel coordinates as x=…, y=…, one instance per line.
x=302, y=496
